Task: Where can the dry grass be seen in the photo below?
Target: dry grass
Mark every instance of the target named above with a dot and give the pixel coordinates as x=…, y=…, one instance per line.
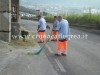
x=2, y=46
x=29, y=40
x=21, y=43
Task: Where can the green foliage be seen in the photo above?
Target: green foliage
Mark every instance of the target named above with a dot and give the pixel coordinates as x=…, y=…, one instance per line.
x=72, y=18
x=49, y=18
x=84, y=19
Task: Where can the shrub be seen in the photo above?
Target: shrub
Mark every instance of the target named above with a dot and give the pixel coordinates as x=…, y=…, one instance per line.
x=83, y=19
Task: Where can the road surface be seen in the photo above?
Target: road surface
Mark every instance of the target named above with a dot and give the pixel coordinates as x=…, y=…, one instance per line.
x=83, y=53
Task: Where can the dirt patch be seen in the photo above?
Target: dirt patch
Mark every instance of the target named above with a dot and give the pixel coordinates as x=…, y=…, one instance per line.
x=29, y=42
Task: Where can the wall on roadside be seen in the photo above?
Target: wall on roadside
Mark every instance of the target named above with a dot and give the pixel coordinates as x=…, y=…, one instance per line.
x=5, y=20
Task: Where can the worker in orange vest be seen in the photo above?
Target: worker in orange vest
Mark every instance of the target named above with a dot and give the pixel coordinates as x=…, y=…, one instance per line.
x=64, y=32
x=55, y=32
x=41, y=29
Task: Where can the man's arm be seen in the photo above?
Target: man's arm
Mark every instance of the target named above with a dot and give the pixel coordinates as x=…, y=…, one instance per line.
x=38, y=27
x=58, y=27
x=39, y=23
x=69, y=30
x=69, y=33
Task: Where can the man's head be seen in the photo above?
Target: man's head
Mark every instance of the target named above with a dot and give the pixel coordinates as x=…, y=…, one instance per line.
x=39, y=16
x=59, y=18
x=55, y=17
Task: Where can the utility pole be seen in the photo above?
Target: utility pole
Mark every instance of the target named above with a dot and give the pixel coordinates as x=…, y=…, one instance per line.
x=90, y=10
x=90, y=15
x=39, y=10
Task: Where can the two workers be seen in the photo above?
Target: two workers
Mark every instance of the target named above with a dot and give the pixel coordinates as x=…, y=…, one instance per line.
x=61, y=32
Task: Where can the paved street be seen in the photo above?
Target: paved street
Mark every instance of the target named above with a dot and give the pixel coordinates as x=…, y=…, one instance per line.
x=83, y=55
x=19, y=40
x=17, y=62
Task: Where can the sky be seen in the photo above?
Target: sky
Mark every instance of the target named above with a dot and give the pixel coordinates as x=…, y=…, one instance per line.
x=66, y=3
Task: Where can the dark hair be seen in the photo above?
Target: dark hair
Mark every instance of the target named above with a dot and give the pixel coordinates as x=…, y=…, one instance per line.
x=55, y=16
x=39, y=16
x=59, y=16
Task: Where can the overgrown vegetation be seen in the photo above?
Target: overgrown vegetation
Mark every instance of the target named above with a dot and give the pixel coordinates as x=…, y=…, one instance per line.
x=92, y=20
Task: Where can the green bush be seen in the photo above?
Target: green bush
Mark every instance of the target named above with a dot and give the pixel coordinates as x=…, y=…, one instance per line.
x=49, y=18
x=73, y=19
x=98, y=21
x=83, y=19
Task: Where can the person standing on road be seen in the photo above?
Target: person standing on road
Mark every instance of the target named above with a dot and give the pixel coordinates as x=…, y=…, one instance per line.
x=64, y=32
x=55, y=32
x=41, y=29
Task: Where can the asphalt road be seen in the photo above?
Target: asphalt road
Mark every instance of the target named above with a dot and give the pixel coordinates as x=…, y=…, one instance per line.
x=83, y=54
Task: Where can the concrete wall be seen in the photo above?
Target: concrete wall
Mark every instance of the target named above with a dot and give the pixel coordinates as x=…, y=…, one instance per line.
x=5, y=20
x=15, y=30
